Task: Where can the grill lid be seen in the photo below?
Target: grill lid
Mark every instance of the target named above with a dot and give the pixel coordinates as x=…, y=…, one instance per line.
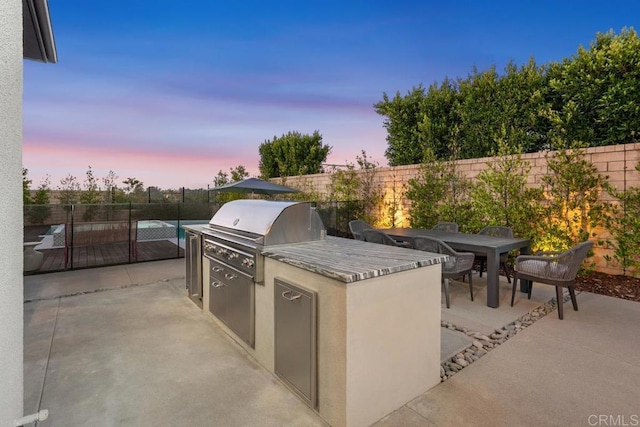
x=275, y=222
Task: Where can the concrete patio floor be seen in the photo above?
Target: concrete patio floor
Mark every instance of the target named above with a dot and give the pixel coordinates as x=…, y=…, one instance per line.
x=124, y=346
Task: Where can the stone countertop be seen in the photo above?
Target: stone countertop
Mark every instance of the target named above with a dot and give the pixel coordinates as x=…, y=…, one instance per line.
x=349, y=260
x=196, y=228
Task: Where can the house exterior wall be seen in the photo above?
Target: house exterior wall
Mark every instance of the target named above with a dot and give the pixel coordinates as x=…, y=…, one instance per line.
x=617, y=162
x=11, y=294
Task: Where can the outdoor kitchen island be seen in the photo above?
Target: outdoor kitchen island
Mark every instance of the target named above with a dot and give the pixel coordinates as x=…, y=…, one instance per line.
x=352, y=327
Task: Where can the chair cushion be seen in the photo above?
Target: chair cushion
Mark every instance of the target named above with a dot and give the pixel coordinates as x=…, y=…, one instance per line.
x=552, y=270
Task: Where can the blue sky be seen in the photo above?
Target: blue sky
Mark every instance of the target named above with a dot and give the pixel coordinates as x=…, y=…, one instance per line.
x=172, y=92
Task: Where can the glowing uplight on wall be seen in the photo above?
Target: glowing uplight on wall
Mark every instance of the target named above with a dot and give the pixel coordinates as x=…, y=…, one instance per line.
x=401, y=219
x=391, y=207
x=559, y=227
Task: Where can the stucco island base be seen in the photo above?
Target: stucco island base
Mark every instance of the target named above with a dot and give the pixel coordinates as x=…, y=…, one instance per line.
x=378, y=340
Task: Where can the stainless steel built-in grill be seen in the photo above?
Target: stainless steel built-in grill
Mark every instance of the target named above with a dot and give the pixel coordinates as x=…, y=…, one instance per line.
x=233, y=241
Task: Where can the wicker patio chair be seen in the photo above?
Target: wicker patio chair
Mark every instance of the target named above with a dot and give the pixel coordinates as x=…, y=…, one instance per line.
x=552, y=268
x=459, y=264
x=449, y=227
x=496, y=231
x=357, y=227
x=377, y=236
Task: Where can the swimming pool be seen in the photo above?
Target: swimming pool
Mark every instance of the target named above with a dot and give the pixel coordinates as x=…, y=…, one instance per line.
x=155, y=230
x=186, y=222
x=151, y=229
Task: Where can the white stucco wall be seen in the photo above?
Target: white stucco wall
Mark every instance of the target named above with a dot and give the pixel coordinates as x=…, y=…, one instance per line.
x=11, y=309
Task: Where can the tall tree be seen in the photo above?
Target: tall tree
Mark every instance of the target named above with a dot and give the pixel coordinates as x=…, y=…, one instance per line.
x=40, y=210
x=406, y=141
x=292, y=154
x=26, y=187
x=239, y=173
x=479, y=113
x=440, y=193
x=501, y=195
x=91, y=192
x=597, y=90
x=90, y=195
x=521, y=95
x=131, y=184
x=369, y=190
x=221, y=178
x=69, y=189
x=110, y=187
x=235, y=174
x=624, y=225
x=593, y=94
x=427, y=191
x=572, y=189
x=440, y=119
x=133, y=190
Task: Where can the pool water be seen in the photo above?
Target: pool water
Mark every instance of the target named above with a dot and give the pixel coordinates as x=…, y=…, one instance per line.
x=181, y=231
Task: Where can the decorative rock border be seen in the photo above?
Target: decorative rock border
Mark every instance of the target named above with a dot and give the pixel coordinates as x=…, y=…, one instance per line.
x=483, y=344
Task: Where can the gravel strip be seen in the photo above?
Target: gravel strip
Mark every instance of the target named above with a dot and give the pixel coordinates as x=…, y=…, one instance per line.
x=482, y=344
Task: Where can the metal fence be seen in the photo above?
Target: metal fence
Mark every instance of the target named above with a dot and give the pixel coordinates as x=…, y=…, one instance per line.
x=182, y=195
x=81, y=236
x=67, y=237
x=336, y=216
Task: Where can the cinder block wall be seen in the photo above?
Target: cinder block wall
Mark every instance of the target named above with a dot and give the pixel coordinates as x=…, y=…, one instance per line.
x=617, y=162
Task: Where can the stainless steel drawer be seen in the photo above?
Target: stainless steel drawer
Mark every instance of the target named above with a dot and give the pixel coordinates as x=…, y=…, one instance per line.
x=232, y=300
x=223, y=272
x=295, y=339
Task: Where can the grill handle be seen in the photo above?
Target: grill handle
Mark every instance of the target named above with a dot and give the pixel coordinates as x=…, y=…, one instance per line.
x=288, y=295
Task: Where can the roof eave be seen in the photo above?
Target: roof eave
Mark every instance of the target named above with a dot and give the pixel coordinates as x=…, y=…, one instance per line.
x=38, y=41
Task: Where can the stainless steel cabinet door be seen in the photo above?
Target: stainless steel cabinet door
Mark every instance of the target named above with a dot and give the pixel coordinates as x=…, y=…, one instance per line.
x=295, y=338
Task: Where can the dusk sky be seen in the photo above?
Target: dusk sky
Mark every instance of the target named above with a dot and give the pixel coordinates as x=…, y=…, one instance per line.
x=172, y=92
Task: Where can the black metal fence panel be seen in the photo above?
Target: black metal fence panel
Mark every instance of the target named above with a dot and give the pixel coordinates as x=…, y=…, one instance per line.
x=66, y=237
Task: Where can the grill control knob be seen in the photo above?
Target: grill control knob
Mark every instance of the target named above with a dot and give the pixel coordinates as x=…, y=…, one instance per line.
x=221, y=251
x=233, y=255
x=247, y=262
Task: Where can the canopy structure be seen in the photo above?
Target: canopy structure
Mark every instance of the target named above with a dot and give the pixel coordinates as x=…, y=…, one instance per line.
x=255, y=186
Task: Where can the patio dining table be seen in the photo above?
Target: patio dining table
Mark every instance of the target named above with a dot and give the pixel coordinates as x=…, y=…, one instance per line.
x=480, y=244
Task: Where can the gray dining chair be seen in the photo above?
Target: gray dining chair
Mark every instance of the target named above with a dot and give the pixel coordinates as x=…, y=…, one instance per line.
x=496, y=231
x=558, y=269
x=449, y=227
x=459, y=264
x=357, y=226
